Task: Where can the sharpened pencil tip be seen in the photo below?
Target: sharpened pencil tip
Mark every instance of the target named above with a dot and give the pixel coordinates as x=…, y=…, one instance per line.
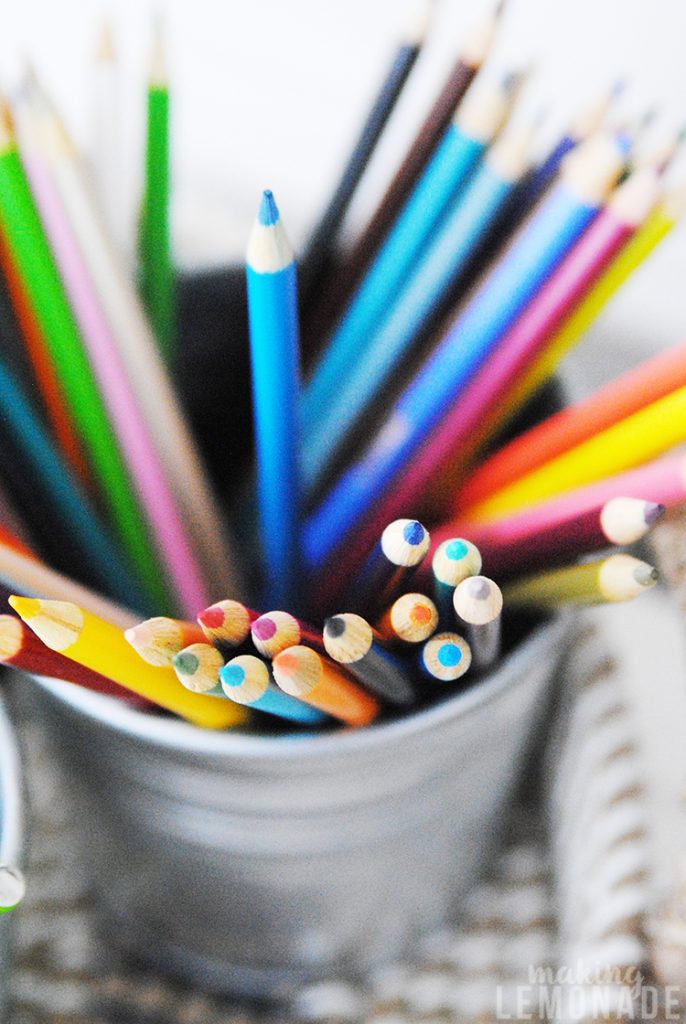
x=646, y=575
x=653, y=512
x=269, y=212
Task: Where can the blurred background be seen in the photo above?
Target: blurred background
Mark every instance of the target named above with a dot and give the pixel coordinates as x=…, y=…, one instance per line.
x=235, y=132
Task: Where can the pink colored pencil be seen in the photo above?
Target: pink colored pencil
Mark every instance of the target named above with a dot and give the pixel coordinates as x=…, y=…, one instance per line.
x=460, y=431
x=524, y=543
x=662, y=482
x=129, y=425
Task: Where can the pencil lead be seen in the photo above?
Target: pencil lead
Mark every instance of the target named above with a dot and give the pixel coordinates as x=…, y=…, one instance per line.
x=268, y=214
x=653, y=512
x=646, y=575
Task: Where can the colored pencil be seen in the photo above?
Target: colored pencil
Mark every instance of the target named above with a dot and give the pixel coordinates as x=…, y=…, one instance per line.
x=276, y=631
x=162, y=529
x=473, y=52
x=197, y=668
x=615, y=578
x=157, y=640
x=478, y=604
x=411, y=619
x=77, y=530
x=99, y=645
x=137, y=349
x=660, y=223
x=445, y=658
x=44, y=375
x=589, y=121
x=21, y=649
x=226, y=624
x=350, y=641
x=247, y=681
x=155, y=259
x=631, y=391
x=105, y=150
x=419, y=300
x=536, y=251
x=40, y=277
x=28, y=575
x=391, y=565
x=316, y=262
x=302, y=673
x=549, y=534
x=453, y=561
x=633, y=440
x=273, y=315
x=464, y=143
x=482, y=405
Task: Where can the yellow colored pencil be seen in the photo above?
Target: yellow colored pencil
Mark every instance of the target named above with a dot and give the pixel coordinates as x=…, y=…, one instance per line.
x=102, y=647
x=631, y=442
x=618, y=577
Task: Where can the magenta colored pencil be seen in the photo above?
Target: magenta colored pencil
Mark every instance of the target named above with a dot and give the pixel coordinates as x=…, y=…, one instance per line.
x=524, y=543
x=662, y=482
x=128, y=424
x=528, y=336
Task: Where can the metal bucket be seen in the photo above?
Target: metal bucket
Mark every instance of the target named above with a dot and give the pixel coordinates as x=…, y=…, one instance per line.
x=10, y=841
x=251, y=863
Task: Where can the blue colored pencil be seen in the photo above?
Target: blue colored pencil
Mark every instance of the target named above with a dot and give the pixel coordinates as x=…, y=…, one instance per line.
x=504, y=293
x=466, y=220
x=478, y=119
x=247, y=680
x=273, y=317
x=59, y=496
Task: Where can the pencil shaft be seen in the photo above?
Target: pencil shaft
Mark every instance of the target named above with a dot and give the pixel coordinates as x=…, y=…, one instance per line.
x=537, y=250
x=43, y=370
x=323, y=240
x=162, y=525
x=272, y=303
x=44, y=287
x=155, y=256
x=416, y=300
x=454, y=161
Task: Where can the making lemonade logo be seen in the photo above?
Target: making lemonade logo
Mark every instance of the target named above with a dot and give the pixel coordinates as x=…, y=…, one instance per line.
x=587, y=991
x=12, y=888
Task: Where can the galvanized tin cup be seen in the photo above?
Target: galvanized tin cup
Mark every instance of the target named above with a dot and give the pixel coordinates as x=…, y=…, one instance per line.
x=251, y=863
x=10, y=841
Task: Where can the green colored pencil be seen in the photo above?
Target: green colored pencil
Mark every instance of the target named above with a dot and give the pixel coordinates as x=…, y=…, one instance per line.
x=156, y=266
x=41, y=279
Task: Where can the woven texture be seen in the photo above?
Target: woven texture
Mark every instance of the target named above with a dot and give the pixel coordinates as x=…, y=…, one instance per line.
x=558, y=923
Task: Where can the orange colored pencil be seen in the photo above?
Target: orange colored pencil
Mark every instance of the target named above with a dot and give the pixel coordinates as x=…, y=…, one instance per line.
x=632, y=391
x=10, y=538
x=302, y=673
x=43, y=369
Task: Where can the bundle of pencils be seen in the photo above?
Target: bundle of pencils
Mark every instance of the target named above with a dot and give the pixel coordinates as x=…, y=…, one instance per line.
x=481, y=268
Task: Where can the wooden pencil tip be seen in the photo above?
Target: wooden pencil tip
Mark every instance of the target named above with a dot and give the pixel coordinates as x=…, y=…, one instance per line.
x=104, y=50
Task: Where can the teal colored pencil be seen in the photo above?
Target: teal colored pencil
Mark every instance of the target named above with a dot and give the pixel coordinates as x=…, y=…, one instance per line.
x=274, y=345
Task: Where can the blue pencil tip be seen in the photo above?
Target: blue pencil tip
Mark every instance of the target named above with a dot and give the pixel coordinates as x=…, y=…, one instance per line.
x=268, y=213
x=414, y=532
